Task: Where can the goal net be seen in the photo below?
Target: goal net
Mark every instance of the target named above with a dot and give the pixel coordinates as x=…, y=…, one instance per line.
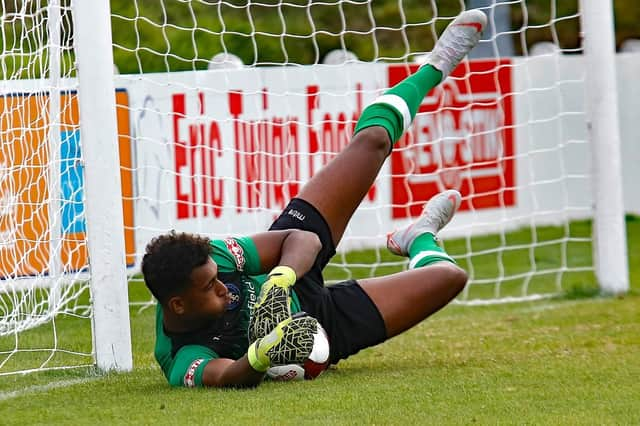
x=225, y=109
x=44, y=300
x=235, y=105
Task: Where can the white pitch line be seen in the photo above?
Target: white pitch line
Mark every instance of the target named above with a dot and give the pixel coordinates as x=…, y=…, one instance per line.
x=45, y=388
x=559, y=305
x=537, y=307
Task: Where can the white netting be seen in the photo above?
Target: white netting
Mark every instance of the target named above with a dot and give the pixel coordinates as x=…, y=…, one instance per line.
x=226, y=108
x=44, y=302
x=220, y=151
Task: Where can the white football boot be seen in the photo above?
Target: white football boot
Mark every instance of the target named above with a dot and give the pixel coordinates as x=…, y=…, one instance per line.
x=438, y=211
x=456, y=41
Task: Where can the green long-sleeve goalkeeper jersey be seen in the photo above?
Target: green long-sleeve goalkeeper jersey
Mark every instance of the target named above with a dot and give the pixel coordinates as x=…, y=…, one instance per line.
x=183, y=356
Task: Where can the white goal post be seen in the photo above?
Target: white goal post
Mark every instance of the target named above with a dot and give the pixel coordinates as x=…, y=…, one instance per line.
x=207, y=116
x=610, y=250
x=102, y=185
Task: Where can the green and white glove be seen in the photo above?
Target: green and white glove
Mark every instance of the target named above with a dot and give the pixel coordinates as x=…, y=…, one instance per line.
x=272, y=306
x=290, y=342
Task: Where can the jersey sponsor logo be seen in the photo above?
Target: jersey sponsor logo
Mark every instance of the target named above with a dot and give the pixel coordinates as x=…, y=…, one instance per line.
x=234, y=292
x=190, y=377
x=251, y=293
x=236, y=251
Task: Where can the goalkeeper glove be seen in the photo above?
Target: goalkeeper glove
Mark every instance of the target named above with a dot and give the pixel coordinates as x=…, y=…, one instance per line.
x=272, y=306
x=290, y=342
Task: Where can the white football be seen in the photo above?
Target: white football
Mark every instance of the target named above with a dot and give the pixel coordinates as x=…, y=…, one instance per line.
x=313, y=366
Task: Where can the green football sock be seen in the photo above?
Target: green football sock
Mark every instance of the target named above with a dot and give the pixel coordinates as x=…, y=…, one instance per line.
x=415, y=87
x=425, y=250
x=397, y=107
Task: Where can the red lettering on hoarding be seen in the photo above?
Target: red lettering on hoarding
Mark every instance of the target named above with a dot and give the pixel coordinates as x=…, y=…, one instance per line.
x=333, y=133
x=199, y=192
x=462, y=138
x=266, y=151
x=267, y=157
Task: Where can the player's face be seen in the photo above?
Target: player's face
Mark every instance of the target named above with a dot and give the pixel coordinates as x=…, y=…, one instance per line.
x=207, y=296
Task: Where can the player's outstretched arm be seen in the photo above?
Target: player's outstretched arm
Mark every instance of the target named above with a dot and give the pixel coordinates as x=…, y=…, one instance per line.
x=294, y=248
x=294, y=251
x=226, y=372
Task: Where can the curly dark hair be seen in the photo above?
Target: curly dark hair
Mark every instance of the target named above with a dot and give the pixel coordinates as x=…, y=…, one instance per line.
x=169, y=260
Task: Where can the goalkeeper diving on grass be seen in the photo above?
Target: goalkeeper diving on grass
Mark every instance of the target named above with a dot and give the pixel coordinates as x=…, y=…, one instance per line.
x=230, y=309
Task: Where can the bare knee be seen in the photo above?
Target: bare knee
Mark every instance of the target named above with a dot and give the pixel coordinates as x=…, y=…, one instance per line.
x=406, y=298
x=452, y=277
x=373, y=138
x=458, y=278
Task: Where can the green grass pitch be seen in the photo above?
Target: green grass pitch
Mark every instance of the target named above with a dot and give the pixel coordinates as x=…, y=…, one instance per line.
x=569, y=360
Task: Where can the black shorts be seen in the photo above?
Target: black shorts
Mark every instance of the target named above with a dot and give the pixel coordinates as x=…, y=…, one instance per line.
x=346, y=312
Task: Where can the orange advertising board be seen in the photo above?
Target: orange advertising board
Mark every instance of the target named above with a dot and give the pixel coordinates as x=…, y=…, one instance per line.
x=27, y=246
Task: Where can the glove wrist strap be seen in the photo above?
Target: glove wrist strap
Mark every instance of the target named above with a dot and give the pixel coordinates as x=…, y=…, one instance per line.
x=283, y=274
x=254, y=359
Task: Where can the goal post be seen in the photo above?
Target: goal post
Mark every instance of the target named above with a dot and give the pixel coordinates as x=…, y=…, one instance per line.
x=102, y=185
x=610, y=248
